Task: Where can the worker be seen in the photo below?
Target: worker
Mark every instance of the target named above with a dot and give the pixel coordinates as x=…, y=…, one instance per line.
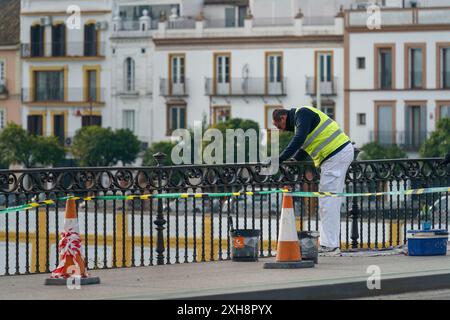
x=319, y=137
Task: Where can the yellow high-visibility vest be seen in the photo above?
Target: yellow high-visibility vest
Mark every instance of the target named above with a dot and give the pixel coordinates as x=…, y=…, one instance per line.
x=324, y=139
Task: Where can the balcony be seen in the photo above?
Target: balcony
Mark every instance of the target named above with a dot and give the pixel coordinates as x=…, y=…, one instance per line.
x=63, y=97
x=273, y=21
x=407, y=140
x=170, y=89
x=3, y=89
x=327, y=88
x=399, y=17
x=245, y=87
x=181, y=23
x=56, y=50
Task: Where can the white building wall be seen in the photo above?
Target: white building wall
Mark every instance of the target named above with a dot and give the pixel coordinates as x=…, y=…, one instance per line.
x=298, y=64
x=362, y=45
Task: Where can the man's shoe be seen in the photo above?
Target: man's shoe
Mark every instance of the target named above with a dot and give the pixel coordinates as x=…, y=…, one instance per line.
x=329, y=251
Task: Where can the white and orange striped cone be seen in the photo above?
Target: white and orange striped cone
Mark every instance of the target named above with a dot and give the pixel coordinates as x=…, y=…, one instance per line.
x=288, y=248
x=71, y=258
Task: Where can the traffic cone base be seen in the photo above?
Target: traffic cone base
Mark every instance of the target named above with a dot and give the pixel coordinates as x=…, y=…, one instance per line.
x=72, y=265
x=288, y=247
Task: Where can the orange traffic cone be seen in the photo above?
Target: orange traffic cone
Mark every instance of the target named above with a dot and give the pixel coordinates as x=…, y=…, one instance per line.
x=288, y=248
x=71, y=259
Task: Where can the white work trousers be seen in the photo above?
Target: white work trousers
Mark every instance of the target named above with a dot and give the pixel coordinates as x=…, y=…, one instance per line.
x=332, y=179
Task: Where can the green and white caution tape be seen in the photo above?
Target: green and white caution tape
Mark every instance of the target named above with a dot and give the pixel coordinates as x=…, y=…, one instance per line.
x=301, y=194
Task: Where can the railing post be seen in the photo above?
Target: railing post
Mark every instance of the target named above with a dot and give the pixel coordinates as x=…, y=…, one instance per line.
x=160, y=221
x=355, y=211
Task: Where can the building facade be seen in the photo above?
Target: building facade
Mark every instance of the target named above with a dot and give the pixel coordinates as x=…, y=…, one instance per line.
x=65, y=66
x=398, y=77
x=10, y=64
x=156, y=66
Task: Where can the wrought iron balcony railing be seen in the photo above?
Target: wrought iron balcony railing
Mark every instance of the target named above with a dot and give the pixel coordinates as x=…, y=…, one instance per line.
x=245, y=87
x=327, y=88
x=63, y=95
x=63, y=49
x=169, y=88
x=128, y=232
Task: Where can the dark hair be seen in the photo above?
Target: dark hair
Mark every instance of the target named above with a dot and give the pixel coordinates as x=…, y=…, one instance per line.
x=277, y=113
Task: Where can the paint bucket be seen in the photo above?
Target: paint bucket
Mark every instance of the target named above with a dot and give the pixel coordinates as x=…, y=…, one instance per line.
x=427, y=242
x=309, y=245
x=245, y=244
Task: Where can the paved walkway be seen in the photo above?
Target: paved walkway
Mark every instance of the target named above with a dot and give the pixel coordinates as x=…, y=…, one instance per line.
x=331, y=278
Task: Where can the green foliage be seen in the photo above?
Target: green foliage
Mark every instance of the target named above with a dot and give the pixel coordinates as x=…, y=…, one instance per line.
x=237, y=123
x=47, y=150
x=126, y=146
x=96, y=146
x=438, y=145
x=162, y=146
x=17, y=146
x=374, y=151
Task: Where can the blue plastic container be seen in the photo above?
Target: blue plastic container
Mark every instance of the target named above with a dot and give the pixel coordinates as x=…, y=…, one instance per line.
x=427, y=242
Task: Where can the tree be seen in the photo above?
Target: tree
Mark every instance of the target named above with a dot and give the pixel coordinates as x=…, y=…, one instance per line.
x=94, y=146
x=438, y=145
x=126, y=146
x=374, y=151
x=234, y=124
x=47, y=151
x=17, y=146
x=162, y=146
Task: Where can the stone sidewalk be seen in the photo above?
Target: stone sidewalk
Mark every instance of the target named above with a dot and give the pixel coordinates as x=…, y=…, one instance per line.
x=332, y=278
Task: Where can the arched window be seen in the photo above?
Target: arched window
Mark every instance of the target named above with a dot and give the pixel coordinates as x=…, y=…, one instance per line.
x=129, y=74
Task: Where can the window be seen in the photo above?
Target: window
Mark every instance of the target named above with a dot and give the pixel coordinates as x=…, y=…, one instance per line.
x=2, y=118
x=221, y=114
x=443, y=63
x=129, y=75
x=242, y=13
x=91, y=83
x=176, y=116
x=91, y=120
x=58, y=40
x=274, y=71
x=230, y=17
x=385, y=67
x=444, y=111
x=177, y=74
x=222, y=73
x=325, y=60
x=385, y=122
x=415, y=66
x=59, y=127
x=328, y=110
x=128, y=120
x=2, y=71
x=361, y=119
x=90, y=40
x=35, y=124
x=37, y=34
x=415, y=124
x=48, y=86
x=361, y=63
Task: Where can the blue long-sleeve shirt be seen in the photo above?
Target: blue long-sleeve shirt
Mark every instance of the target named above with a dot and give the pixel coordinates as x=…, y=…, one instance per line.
x=305, y=121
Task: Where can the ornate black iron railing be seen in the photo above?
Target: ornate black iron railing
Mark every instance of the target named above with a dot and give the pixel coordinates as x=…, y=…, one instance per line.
x=124, y=233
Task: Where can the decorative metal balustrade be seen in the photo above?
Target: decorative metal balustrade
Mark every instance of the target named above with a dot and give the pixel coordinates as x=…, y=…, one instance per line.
x=138, y=232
